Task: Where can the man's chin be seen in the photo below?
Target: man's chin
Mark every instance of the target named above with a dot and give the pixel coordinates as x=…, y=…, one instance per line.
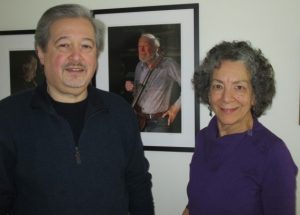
x=144, y=59
x=75, y=84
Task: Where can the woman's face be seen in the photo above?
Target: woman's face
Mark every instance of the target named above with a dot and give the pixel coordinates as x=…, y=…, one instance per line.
x=231, y=97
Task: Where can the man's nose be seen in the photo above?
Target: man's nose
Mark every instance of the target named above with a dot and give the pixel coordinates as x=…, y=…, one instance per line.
x=142, y=48
x=75, y=53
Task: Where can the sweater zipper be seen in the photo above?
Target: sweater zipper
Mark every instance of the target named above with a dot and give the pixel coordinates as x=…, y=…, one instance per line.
x=77, y=155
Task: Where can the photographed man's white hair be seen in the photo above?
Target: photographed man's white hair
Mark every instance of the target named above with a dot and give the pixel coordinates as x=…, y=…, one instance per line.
x=152, y=38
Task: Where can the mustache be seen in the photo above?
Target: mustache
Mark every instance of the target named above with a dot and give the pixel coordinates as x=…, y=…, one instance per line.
x=77, y=65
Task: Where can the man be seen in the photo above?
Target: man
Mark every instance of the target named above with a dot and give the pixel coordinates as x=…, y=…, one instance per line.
x=154, y=105
x=67, y=147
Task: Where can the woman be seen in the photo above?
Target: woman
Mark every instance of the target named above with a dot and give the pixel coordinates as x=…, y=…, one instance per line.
x=239, y=167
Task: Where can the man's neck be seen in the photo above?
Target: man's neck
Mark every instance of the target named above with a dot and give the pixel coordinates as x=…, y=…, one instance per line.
x=153, y=62
x=67, y=97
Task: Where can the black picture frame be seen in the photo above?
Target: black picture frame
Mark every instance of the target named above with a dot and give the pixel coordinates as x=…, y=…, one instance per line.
x=17, y=48
x=155, y=18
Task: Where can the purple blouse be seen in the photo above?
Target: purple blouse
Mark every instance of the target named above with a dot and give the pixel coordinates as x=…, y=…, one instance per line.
x=250, y=173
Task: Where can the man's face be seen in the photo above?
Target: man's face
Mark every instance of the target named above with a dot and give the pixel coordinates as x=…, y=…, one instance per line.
x=70, y=59
x=146, y=50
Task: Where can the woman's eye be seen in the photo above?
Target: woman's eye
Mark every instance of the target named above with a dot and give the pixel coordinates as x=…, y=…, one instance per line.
x=217, y=86
x=240, y=87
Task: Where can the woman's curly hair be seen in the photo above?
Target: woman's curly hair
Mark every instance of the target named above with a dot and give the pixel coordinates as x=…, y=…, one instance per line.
x=261, y=72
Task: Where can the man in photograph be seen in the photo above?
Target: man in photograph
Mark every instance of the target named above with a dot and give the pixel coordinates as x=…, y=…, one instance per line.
x=156, y=77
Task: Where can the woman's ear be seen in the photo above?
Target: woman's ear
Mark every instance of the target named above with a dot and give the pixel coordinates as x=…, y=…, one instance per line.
x=209, y=98
x=253, y=101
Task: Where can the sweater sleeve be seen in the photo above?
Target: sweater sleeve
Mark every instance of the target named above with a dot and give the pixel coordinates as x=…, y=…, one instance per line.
x=138, y=178
x=279, y=182
x=7, y=163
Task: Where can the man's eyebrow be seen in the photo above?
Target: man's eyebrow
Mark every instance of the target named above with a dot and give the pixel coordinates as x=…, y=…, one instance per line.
x=60, y=38
x=89, y=39
x=66, y=37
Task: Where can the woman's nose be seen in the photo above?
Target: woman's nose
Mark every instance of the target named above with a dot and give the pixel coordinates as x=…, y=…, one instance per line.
x=227, y=95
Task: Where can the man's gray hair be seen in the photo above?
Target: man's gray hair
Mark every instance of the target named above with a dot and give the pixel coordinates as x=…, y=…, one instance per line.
x=153, y=38
x=42, y=33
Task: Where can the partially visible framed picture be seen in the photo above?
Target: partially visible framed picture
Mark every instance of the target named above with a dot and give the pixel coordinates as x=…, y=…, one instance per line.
x=177, y=27
x=25, y=70
x=18, y=62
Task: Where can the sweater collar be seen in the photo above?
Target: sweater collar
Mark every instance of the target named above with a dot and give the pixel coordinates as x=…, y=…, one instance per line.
x=213, y=134
x=42, y=100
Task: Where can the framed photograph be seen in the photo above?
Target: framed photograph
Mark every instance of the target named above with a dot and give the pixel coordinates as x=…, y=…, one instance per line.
x=177, y=27
x=18, y=62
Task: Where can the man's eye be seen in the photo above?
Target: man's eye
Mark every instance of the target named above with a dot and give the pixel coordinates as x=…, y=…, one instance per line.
x=87, y=46
x=63, y=46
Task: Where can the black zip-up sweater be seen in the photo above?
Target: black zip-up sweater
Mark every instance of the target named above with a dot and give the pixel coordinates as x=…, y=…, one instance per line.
x=43, y=173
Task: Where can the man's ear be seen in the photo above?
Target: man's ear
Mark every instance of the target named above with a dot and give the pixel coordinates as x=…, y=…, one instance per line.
x=40, y=55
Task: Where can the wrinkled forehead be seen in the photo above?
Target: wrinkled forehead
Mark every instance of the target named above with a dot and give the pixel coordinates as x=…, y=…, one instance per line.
x=233, y=69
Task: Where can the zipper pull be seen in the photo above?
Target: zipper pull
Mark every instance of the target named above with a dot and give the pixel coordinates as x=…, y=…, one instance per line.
x=77, y=155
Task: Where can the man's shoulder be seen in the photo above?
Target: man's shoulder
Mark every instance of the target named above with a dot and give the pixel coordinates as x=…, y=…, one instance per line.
x=119, y=109
x=170, y=63
x=110, y=99
x=169, y=60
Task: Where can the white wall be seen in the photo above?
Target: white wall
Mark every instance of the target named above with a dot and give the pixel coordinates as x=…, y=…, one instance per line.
x=270, y=25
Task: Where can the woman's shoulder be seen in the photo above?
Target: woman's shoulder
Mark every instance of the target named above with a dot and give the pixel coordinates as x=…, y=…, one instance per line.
x=265, y=136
